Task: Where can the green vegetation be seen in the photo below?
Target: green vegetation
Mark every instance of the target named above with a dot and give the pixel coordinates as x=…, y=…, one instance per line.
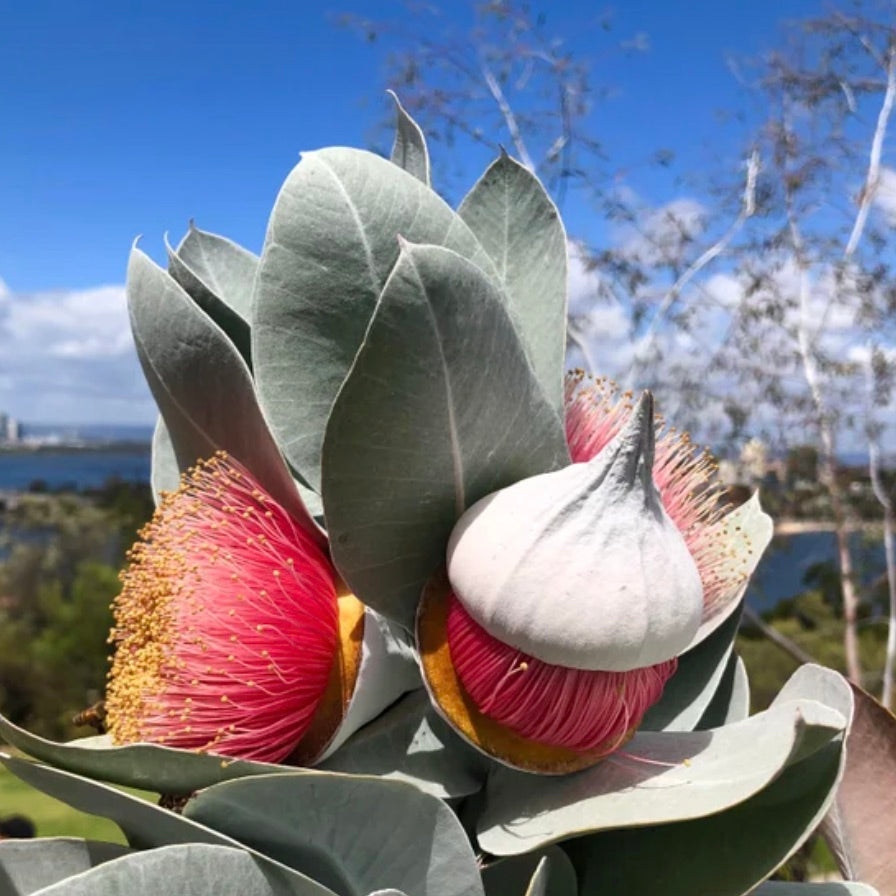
x=51, y=817
x=62, y=556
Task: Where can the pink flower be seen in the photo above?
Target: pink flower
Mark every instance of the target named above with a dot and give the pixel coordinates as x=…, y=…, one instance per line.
x=227, y=627
x=547, y=716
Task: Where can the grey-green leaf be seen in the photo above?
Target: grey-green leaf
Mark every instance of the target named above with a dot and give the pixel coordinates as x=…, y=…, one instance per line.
x=201, y=384
x=659, y=777
x=332, y=240
x=147, y=825
x=409, y=148
x=545, y=872
x=218, y=275
x=193, y=869
x=354, y=834
x=440, y=409
x=165, y=474
x=519, y=226
x=729, y=852
x=410, y=742
x=833, y=888
x=690, y=691
x=146, y=766
x=28, y=865
x=725, y=854
x=731, y=701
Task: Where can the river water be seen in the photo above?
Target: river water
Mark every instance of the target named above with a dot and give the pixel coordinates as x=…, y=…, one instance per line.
x=781, y=573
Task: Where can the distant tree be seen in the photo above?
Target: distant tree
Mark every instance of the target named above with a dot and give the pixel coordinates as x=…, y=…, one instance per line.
x=763, y=312
x=58, y=576
x=802, y=463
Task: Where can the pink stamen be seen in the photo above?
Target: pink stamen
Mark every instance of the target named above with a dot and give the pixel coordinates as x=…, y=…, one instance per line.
x=577, y=709
x=226, y=627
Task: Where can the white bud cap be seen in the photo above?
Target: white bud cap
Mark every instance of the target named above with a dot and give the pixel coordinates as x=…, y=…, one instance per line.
x=582, y=567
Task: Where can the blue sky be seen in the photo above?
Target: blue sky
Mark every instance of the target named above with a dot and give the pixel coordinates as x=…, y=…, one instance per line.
x=130, y=118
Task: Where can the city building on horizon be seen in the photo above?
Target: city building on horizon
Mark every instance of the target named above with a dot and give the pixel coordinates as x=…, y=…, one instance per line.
x=10, y=429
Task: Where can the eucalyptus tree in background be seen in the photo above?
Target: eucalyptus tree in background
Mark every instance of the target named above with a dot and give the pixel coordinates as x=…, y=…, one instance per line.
x=755, y=311
x=816, y=275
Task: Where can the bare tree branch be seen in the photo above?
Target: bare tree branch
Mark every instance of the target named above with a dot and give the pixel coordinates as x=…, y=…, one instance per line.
x=507, y=113
x=873, y=175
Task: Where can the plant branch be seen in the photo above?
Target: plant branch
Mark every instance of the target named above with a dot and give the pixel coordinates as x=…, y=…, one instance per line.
x=510, y=121
x=792, y=649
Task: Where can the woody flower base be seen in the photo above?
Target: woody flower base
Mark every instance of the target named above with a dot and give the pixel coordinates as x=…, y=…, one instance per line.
x=416, y=613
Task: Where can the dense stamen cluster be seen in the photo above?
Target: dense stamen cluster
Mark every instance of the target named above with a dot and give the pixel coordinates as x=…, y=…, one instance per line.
x=685, y=478
x=226, y=627
x=578, y=709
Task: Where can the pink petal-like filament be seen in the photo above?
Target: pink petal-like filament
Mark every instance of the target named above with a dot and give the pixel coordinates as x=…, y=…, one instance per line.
x=577, y=709
x=226, y=627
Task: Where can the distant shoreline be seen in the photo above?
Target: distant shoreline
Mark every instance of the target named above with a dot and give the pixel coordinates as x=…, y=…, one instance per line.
x=800, y=527
x=75, y=448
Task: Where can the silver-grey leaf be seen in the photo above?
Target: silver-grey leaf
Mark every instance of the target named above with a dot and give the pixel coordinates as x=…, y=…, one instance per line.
x=409, y=147
x=147, y=825
x=146, y=766
x=689, y=692
x=202, y=386
x=28, y=865
x=519, y=226
x=332, y=240
x=219, y=276
x=731, y=701
x=354, y=834
x=194, y=869
x=546, y=872
x=441, y=408
x=659, y=777
x=725, y=854
x=410, y=742
x=165, y=474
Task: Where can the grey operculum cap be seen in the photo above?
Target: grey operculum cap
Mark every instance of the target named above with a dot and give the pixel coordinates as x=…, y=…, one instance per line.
x=582, y=567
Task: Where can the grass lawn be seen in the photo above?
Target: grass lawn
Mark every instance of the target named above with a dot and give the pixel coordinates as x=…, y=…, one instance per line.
x=51, y=817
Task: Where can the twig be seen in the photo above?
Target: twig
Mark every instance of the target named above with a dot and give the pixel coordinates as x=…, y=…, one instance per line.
x=789, y=647
x=747, y=209
x=507, y=113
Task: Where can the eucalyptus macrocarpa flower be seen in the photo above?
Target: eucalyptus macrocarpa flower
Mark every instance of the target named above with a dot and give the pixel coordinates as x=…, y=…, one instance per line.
x=231, y=633
x=570, y=595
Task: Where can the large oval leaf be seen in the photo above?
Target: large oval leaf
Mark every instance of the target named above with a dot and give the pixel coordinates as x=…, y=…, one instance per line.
x=146, y=825
x=145, y=766
x=725, y=854
x=660, y=777
x=690, y=690
x=175, y=871
x=354, y=834
x=410, y=742
x=201, y=384
x=28, y=865
x=441, y=408
x=729, y=852
x=332, y=240
x=519, y=226
x=218, y=275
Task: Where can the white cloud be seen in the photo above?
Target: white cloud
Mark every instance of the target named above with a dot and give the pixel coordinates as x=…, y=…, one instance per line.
x=663, y=234
x=68, y=357
x=583, y=281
